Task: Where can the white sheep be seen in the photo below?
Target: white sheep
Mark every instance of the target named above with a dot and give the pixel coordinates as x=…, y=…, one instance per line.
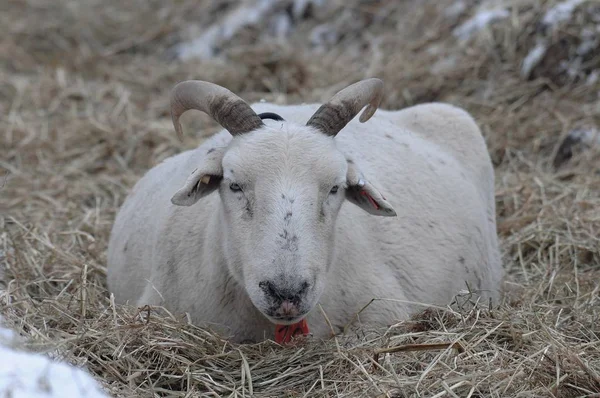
x=272, y=236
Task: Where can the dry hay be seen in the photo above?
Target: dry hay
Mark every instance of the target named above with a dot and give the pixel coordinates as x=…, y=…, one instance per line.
x=83, y=91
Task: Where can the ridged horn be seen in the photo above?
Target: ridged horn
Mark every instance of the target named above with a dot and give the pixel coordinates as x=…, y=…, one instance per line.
x=333, y=116
x=229, y=110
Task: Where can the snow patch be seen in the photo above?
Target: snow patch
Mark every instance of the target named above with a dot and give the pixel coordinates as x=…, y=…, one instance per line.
x=561, y=12
x=533, y=58
x=593, y=77
x=204, y=46
x=479, y=21
x=7, y=336
x=282, y=25
x=271, y=13
x=31, y=375
x=456, y=9
x=590, y=39
x=443, y=65
x=587, y=136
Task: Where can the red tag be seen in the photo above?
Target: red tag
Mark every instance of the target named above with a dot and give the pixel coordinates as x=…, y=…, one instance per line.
x=375, y=205
x=285, y=333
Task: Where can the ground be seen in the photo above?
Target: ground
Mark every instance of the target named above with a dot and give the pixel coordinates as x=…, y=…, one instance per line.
x=84, y=93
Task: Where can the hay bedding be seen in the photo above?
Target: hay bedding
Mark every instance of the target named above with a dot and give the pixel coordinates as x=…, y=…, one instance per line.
x=83, y=95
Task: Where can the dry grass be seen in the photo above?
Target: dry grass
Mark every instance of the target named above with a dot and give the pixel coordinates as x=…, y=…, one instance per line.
x=83, y=91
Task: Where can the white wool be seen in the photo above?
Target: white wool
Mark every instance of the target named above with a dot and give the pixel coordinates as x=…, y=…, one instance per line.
x=223, y=231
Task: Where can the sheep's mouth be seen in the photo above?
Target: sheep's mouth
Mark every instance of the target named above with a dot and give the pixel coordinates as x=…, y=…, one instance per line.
x=285, y=320
x=279, y=314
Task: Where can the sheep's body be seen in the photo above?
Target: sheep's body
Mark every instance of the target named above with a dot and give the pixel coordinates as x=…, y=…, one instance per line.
x=432, y=165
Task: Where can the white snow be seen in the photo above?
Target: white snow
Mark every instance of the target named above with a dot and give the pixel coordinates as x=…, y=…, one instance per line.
x=271, y=13
x=588, y=136
x=593, y=77
x=24, y=374
x=456, y=9
x=590, y=39
x=7, y=336
x=201, y=47
x=479, y=21
x=443, y=65
x=561, y=12
x=533, y=58
x=281, y=25
x=204, y=46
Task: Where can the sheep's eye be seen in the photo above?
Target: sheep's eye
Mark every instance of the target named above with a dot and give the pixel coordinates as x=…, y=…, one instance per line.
x=334, y=189
x=235, y=187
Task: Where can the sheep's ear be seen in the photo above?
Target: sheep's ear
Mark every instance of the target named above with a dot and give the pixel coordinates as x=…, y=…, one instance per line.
x=203, y=180
x=363, y=194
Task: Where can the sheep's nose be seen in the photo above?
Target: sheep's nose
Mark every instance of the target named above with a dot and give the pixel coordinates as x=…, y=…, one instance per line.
x=284, y=295
x=289, y=308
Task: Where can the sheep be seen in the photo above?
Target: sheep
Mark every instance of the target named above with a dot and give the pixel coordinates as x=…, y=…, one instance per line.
x=275, y=214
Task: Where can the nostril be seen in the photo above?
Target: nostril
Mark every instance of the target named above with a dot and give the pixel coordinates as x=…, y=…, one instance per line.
x=268, y=288
x=303, y=288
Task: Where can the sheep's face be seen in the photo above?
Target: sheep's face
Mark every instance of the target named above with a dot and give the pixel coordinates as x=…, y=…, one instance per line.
x=281, y=189
x=281, y=186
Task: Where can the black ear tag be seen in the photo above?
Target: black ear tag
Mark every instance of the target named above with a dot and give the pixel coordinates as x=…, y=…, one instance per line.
x=270, y=115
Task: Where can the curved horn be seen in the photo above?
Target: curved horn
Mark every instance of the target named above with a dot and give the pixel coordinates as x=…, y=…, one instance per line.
x=333, y=116
x=229, y=110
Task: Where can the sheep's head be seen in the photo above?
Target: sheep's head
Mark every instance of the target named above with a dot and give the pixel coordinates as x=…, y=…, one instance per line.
x=281, y=186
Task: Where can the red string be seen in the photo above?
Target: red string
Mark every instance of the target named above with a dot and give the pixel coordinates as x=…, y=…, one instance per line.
x=285, y=333
x=375, y=205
